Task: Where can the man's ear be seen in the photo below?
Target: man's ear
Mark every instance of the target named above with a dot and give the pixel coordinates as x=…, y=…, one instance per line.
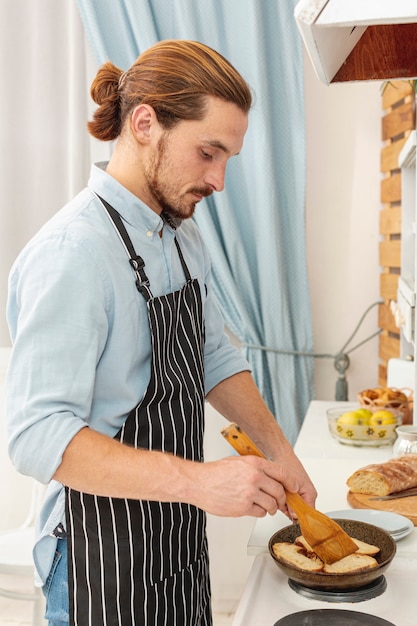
x=142, y=120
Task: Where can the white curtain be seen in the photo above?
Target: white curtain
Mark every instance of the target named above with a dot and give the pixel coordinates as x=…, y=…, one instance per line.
x=45, y=150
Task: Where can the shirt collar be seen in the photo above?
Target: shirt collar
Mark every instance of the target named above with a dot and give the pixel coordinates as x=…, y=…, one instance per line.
x=131, y=209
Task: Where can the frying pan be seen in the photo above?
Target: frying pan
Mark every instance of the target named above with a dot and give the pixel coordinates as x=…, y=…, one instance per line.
x=321, y=580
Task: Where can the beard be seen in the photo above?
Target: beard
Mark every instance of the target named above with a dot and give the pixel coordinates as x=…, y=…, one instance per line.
x=161, y=184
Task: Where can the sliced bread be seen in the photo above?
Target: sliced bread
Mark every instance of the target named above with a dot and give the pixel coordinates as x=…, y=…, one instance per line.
x=352, y=563
x=293, y=555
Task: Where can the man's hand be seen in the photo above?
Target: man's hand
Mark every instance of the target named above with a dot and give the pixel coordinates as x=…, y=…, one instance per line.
x=241, y=485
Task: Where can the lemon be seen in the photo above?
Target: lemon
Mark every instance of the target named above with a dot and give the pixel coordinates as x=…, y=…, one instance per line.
x=364, y=415
x=350, y=418
x=382, y=417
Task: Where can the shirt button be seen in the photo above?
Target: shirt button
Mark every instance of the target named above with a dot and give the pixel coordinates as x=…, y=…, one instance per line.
x=149, y=233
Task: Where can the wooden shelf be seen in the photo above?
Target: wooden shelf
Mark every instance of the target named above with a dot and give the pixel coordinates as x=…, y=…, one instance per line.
x=397, y=124
x=359, y=39
x=383, y=52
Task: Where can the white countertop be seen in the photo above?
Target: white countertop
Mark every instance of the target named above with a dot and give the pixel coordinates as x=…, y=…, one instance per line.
x=329, y=464
x=267, y=596
x=315, y=442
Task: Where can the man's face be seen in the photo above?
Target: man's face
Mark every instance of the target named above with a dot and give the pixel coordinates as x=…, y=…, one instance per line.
x=189, y=162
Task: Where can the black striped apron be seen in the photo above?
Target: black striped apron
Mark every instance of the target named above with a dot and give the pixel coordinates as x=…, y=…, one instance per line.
x=143, y=563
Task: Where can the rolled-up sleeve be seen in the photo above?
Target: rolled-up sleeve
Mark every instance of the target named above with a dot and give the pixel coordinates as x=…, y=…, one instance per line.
x=50, y=380
x=222, y=359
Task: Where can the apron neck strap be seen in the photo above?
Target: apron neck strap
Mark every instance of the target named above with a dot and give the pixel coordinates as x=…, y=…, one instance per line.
x=136, y=261
x=171, y=222
x=183, y=263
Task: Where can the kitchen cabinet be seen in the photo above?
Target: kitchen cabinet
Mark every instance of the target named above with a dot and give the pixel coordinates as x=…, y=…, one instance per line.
x=359, y=39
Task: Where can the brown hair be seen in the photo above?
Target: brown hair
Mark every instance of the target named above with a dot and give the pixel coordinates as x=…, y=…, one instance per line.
x=174, y=77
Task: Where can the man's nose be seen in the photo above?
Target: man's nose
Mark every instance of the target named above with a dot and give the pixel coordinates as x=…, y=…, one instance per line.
x=215, y=177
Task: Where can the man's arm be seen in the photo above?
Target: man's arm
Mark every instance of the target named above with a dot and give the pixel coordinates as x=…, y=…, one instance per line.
x=238, y=399
x=233, y=486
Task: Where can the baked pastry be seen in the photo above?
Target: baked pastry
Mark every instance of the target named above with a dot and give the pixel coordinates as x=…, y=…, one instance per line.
x=371, y=394
x=383, y=396
x=393, y=397
x=400, y=400
x=380, y=479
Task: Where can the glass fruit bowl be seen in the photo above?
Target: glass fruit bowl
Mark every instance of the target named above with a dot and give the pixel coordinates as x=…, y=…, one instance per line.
x=358, y=426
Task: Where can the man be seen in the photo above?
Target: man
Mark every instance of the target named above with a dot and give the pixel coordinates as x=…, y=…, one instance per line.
x=118, y=341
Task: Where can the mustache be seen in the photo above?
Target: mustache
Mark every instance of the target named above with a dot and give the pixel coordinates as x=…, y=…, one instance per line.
x=202, y=191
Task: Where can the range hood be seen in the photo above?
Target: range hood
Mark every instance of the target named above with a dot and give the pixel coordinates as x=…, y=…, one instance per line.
x=352, y=40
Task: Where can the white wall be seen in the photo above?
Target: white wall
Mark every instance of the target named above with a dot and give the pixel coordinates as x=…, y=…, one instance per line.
x=343, y=125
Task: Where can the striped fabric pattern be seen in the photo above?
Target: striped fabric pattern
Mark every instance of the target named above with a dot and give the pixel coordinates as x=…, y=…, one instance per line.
x=143, y=563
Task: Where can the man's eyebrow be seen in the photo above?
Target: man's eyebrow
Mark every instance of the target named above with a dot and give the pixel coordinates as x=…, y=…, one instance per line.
x=214, y=143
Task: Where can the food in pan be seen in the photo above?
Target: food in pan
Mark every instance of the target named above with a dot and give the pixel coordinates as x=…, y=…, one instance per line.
x=300, y=554
x=352, y=563
x=363, y=547
x=296, y=556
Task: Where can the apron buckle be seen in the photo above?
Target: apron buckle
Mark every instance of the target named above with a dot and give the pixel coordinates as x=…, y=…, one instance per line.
x=137, y=263
x=141, y=284
x=142, y=281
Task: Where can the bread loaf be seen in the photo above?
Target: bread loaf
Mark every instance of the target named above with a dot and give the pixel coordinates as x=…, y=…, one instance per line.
x=380, y=479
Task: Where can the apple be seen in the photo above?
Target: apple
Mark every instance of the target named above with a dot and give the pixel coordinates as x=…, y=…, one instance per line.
x=382, y=417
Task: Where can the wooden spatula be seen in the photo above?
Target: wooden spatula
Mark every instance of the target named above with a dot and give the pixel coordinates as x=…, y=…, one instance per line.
x=328, y=540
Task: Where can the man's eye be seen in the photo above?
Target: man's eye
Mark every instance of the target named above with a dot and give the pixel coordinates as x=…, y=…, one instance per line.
x=206, y=155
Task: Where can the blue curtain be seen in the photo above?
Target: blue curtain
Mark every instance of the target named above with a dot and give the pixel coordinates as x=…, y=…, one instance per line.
x=255, y=229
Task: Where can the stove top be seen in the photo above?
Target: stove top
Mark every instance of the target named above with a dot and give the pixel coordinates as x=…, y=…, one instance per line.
x=335, y=617
x=367, y=592
x=268, y=597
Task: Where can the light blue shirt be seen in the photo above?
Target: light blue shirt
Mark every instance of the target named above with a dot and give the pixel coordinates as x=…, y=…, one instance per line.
x=81, y=342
